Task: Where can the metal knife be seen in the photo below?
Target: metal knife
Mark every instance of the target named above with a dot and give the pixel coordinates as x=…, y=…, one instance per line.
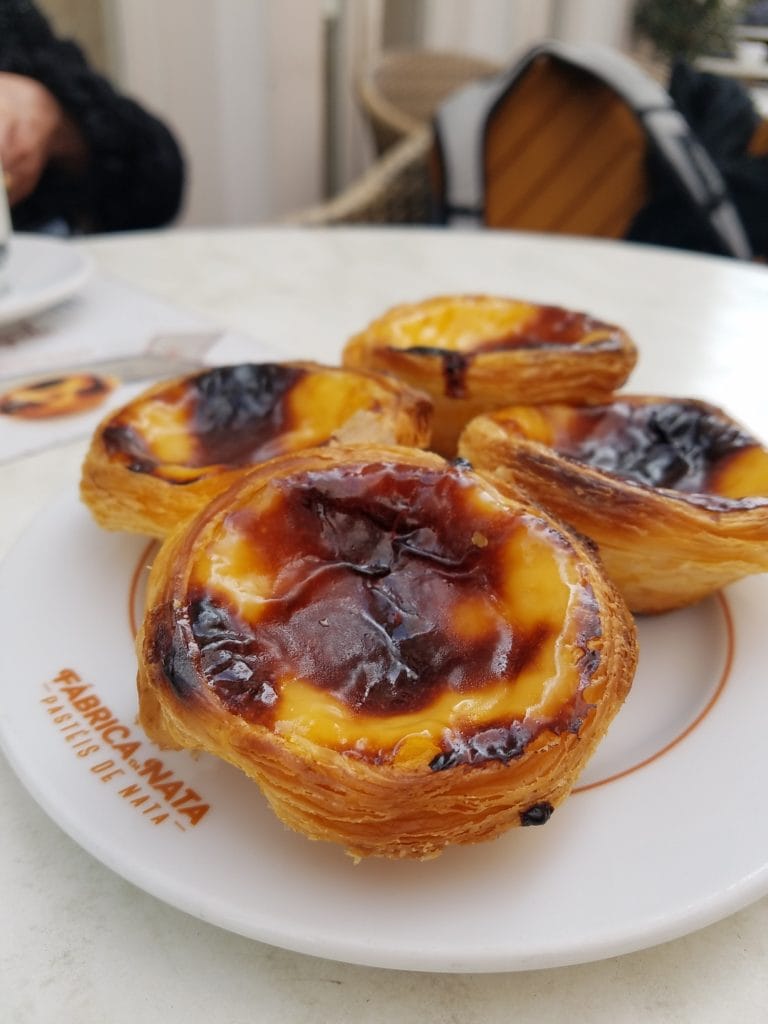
x=168, y=361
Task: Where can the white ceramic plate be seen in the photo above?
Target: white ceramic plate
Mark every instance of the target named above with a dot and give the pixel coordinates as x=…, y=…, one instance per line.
x=40, y=273
x=676, y=841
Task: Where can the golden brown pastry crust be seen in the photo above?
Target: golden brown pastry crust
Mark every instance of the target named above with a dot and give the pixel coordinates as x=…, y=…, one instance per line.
x=475, y=353
x=379, y=803
x=126, y=489
x=664, y=548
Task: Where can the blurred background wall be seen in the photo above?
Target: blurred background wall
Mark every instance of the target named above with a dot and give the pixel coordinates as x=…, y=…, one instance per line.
x=244, y=83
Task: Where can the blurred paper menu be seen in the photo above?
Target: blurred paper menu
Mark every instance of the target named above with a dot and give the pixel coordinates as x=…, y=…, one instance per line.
x=108, y=321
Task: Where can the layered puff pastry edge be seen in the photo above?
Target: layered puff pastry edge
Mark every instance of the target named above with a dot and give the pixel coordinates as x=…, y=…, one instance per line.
x=673, y=491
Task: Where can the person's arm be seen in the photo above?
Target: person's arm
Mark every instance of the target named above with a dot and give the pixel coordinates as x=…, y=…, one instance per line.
x=34, y=131
x=110, y=165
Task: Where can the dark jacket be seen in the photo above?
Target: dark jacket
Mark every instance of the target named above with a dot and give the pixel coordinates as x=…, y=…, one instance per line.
x=723, y=117
x=722, y=114
x=135, y=171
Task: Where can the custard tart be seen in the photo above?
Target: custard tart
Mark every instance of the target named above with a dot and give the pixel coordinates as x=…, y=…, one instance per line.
x=160, y=458
x=673, y=490
x=400, y=654
x=50, y=397
x=476, y=353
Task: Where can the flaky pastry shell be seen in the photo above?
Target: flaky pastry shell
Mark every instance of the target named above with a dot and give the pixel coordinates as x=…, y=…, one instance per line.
x=159, y=459
x=400, y=654
x=673, y=491
x=476, y=353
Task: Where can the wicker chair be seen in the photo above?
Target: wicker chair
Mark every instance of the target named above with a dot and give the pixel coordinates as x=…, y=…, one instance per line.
x=398, y=95
x=400, y=92
x=395, y=190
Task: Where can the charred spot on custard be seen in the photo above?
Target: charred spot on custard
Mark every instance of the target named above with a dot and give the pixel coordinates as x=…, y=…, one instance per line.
x=239, y=408
x=558, y=326
x=122, y=440
x=506, y=741
x=229, y=657
x=550, y=327
x=674, y=445
x=455, y=366
x=502, y=743
x=537, y=814
x=171, y=651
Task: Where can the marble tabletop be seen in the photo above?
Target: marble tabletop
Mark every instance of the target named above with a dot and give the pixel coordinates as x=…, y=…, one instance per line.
x=81, y=944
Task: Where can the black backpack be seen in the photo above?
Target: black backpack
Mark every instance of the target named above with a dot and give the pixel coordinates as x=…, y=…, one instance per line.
x=576, y=139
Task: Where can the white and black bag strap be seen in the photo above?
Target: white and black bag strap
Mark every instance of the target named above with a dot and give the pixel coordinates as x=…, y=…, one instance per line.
x=460, y=123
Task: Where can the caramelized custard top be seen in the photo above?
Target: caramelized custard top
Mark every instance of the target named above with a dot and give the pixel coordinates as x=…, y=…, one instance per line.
x=471, y=324
x=229, y=415
x=391, y=611
x=680, y=445
x=235, y=416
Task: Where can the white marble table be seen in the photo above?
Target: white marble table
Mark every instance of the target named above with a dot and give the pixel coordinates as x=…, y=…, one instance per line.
x=80, y=944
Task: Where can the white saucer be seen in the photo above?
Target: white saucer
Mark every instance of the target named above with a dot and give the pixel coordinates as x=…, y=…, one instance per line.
x=664, y=834
x=40, y=273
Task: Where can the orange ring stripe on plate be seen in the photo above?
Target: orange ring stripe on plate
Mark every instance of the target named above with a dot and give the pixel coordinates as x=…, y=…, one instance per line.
x=724, y=676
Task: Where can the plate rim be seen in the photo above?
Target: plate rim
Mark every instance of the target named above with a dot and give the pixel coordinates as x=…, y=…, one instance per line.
x=14, y=309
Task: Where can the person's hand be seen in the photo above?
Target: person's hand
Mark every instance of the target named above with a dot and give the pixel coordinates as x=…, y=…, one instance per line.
x=34, y=130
